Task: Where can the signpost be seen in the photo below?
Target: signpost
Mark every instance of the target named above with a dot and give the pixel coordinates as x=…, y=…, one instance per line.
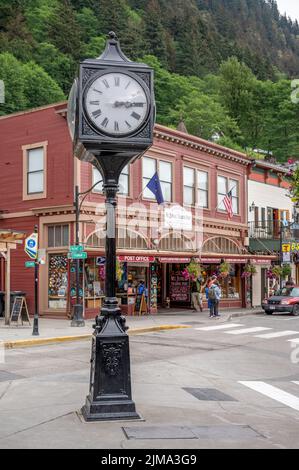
x=77, y=255
x=31, y=248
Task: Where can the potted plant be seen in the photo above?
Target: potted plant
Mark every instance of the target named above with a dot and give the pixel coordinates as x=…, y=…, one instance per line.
x=274, y=272
x=224, y=269
x=192, y=271
x=249, y=270
x=286, y=270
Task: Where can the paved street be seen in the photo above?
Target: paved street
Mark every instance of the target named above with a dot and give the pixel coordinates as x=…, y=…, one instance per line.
x=228, y=385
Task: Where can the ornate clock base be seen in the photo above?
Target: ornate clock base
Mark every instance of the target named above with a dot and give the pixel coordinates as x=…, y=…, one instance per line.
x=110, y=395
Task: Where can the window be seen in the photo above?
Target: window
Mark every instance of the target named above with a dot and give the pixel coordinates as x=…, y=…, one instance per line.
x=165, y=174
x=203, y=189
x=58, y=235
x=189, y=186
x=123, y=181
x=149, y=168
x=97, y=178
x=35, y=171
x=199, y=180
x=224, y=186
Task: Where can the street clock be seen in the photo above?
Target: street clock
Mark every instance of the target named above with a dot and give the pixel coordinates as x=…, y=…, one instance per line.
x=112, y=104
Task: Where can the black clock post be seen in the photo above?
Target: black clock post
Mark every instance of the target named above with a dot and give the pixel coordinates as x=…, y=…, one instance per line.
x=110, y=150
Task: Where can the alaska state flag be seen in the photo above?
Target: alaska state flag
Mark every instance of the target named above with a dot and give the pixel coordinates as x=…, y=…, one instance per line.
x=154, y=186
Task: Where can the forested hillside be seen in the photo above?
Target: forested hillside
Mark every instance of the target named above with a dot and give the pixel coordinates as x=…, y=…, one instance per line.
x=224, y=66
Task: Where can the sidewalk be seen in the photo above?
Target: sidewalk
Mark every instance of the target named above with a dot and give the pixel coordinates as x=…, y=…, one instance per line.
x=56, y=330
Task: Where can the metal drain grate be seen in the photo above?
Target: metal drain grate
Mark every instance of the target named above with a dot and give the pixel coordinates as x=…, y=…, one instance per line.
x=209, y=394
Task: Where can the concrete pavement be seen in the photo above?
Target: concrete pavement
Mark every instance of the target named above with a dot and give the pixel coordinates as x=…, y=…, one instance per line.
x=214, y=385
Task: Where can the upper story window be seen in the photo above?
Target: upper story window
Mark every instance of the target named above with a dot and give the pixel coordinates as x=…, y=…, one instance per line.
x=196, y=187
x=224, y=186
x=124, y=181
x=58, y=236
x=164, y=169
x=34, y=171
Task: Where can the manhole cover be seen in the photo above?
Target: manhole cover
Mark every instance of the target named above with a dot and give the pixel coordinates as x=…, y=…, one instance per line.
x=8, y=376
x=159, y=432
x=209, y=394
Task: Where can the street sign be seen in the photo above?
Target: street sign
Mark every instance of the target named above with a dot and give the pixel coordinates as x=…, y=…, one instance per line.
x=31, y=245
x=29, y=264
x=80, y=255
x=76, y=248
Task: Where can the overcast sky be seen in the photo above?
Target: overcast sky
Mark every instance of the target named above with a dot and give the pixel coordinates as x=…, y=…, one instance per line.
x=291, y=7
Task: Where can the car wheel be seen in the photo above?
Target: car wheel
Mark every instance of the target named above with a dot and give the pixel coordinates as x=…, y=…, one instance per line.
x=268, y=312
x=296, y=310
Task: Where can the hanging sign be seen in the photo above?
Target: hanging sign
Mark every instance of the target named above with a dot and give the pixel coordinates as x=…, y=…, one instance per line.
x=177, y=218
x=137, y=259
x=31, y=246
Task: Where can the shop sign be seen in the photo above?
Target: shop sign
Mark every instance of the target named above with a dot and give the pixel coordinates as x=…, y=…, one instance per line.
x=261, y=261
x=136, y=259
x=79, y=255
x=286, y=247
x=174, y=260
x=31, y=245
x=177, y=218
x=100, y=260
x=29, y=264
x=286, y=257
x=76, y=248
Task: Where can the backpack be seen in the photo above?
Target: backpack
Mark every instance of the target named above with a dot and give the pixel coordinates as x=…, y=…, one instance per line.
x=212, y=293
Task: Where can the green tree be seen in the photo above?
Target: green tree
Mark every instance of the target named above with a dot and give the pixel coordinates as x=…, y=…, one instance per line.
x=11, y=73
x=89, y=24
x=39, y=88
x=64, y=30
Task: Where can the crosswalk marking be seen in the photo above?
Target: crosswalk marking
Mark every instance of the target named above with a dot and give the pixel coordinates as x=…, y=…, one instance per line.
x=294, y=340
x=219, y=327
x=278, y=334
x=295, y=382
x=243, y=331
x=273, y=392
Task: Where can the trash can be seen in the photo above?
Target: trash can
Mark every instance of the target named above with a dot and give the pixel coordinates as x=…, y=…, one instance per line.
x=2, y=306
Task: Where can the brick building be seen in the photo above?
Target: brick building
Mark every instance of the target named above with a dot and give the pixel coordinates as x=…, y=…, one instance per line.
x=39, y=174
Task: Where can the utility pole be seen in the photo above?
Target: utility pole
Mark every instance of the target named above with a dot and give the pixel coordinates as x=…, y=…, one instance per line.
x=35, y=331
x=77, y=319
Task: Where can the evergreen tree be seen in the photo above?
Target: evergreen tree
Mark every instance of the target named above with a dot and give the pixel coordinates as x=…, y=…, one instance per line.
x=64, y=30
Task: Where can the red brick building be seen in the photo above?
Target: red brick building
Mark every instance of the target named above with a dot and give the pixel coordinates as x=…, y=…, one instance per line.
x=38, y=178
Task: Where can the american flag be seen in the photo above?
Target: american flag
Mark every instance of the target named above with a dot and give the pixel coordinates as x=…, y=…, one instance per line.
x=228, y=203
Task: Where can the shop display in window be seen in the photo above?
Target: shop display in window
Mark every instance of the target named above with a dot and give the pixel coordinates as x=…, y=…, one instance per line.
x=179, y=288
x=58, y=281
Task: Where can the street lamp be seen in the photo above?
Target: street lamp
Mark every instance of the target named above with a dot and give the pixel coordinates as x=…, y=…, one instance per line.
x=111, y=116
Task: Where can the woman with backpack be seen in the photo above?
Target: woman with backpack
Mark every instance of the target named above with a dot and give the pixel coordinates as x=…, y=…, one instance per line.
x=214, y=296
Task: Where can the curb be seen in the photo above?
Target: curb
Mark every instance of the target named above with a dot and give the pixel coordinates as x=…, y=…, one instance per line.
x=246, y=314
x=27, y=343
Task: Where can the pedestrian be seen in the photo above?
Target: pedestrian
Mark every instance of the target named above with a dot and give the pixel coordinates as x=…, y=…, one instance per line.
x=195, y=295
x=214, y=295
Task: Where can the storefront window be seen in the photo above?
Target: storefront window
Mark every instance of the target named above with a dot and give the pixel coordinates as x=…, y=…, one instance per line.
x=203, y=189
x=189, y=186
x=94, y=282
x=224, y=186
x=149, y=168
x=58, y=281
x=97, y=178
x=230, y=285
x=165, y=174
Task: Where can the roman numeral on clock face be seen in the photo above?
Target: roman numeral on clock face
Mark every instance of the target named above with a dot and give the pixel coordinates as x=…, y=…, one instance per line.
x=117, y=81
x=106, y=83
x=128, y=124
x=105, y=122
x=97, y=91
x=94, y=103
x=116, y=126
x=97, y=113
x=136, y=115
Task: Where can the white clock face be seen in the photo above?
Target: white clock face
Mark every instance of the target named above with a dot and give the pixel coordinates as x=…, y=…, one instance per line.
x=116, y=104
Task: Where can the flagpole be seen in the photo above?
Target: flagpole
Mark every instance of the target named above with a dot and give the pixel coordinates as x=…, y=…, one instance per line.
x=226, y=194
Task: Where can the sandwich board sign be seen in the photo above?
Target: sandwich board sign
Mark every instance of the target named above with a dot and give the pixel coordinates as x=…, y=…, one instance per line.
x=31, y=245
x=19, y=311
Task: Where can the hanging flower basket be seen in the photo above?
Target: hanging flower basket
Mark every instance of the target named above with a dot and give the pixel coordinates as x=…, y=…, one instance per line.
x=286, y=270
x=192, y=271
x=274, y=272
x=249, y=270
x=224, y=269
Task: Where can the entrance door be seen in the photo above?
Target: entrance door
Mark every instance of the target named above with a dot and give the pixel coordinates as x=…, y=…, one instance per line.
x=264, y=281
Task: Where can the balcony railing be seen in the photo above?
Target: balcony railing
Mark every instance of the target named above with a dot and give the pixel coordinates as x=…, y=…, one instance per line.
x=271, y=230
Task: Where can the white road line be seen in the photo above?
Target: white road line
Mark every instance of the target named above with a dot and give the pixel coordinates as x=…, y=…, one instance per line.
x=278, y=334
x=275, y=393
x=219, y=327
x=247, y=330
x=295, y=382
x=294, y=340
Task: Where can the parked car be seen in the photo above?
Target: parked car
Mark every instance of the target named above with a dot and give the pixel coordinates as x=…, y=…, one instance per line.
x=285, y=300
